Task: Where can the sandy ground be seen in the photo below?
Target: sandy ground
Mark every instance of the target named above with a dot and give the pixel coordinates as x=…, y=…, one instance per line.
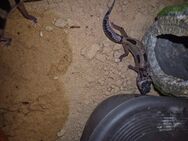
x=55, y=73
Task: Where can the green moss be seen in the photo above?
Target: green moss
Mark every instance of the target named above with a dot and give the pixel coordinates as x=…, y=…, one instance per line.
x=170, y=10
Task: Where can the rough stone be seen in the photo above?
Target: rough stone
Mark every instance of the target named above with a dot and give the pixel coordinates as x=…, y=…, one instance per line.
x=90, y=52
x=61, y=133
x=107, y=50
x=49, y=28
x=101, y=57
x=61, y=23
x=166, y=25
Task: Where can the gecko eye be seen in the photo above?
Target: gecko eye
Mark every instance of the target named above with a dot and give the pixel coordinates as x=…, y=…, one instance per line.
x=144, y=86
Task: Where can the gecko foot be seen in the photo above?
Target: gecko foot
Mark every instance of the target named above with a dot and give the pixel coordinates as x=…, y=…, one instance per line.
x=6, y=41
x=122, y=56
x=23, y=10
x=133, y=68
x=32, y=18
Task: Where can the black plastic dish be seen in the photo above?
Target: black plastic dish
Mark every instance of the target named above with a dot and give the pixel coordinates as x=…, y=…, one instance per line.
x=143, y=118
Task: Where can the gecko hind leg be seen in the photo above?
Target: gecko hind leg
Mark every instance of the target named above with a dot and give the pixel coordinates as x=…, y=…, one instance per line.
x=120, y=29
x=133, y=68
x=124, y=34
x=6, y=40
x=22, y=9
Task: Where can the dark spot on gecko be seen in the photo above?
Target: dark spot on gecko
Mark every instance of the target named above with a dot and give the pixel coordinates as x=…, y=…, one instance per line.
x=86, y=26
x=18, y=33
x=25, y=103
x=138, y=58
x=132, y=41
x=145, y=57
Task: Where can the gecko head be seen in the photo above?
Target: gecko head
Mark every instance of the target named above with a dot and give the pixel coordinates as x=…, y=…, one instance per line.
x=144, y=86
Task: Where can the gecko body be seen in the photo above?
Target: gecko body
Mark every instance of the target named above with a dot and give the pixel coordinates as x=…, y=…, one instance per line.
x=133, y=46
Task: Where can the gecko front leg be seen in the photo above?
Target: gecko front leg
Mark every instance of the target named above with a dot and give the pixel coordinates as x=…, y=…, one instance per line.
x=120, y=29
x=126, y=52
x=136, y=69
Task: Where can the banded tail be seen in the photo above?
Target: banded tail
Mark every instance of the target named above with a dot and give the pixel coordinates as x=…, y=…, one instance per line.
x=109, y=32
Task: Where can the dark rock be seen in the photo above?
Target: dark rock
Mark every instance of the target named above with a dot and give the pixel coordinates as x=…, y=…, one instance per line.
x=167, y=49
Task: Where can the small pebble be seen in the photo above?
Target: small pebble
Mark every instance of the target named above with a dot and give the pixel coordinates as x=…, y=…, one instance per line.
x=41, y=34
x=48, y=28
x=61, y=133
x=60, y=23
x=56, y=78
